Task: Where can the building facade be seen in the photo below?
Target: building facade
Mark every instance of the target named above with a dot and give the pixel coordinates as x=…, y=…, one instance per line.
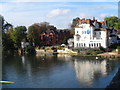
x=93, y=34
x=52, y=37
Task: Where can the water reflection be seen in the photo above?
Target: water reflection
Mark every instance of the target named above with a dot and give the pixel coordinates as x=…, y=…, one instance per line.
x=88, y=70
x=49, y=70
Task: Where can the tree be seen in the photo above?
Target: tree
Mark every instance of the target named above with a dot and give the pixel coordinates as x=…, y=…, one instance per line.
x=17, y=35
x=113, y=22
x=42, y=26
x=74, y=22
x=33, y=35
x=7, y=42
x=65, y=40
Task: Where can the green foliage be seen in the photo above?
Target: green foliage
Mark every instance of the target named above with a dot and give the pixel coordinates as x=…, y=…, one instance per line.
x=43, y=26
x=75, y=22
x=33, y=35
x=48, y=48
x=65, y=40
x=92, y=52
x=113, y=22
x=7, y=43
x=30, y=50
x=60, y=47
x=36, y=29
x=17, y=35
x=118, y=47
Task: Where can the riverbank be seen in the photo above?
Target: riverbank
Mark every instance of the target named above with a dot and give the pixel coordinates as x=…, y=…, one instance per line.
x=65, y=51
x=86, y=53
x=109, y=55
x=115, y=83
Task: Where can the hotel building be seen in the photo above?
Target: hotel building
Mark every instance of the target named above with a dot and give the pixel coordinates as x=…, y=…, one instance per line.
x=93, y=34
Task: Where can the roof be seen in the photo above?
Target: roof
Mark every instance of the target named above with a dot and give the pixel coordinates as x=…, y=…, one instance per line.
x=101, y=29
x=102, y=22
x=89, y=21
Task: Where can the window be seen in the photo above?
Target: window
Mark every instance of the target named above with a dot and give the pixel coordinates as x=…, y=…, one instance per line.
x=81, y=45
x=78, y=38
x=99, y=44
x=94, y=45
x=95, y=33
x=89, y=45
x=100, y=33
x=77, y=44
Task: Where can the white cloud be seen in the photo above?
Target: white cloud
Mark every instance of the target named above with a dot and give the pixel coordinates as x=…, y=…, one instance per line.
x=29, y=13
x=57, y=12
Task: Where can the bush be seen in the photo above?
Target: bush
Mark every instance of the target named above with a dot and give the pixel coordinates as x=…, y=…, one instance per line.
x=102, y=48
x=30, y=50
x=60, y=47
x=118, y=47
x=48, y=48
x=91, y=52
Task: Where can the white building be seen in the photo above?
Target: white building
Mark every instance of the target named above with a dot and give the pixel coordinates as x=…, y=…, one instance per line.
x=93, y=34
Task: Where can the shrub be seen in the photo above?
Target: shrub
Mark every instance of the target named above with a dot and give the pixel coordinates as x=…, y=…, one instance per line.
x=60, y=47
x=92, y=52
x=118, y=47
x=30, y=50
x=48, y=48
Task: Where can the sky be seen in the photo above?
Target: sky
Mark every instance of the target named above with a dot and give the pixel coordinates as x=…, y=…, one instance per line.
x=57, y=12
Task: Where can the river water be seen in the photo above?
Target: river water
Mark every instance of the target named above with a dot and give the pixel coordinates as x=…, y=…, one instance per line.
x=57, y=71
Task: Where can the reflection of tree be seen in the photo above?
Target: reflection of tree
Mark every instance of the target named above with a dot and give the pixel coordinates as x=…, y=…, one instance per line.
x=30, y=65
x=34, y=68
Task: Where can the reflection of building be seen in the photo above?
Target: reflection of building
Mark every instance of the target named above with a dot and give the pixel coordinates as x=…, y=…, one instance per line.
x=93, y=34
x=88, y=71
x=64, y=57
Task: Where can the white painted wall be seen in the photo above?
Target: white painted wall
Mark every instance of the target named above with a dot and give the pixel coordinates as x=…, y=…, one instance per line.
x=91, y=40
x=94, y=38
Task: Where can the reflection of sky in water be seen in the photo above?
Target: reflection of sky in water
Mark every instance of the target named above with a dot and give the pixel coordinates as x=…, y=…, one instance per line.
x=56, y=71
